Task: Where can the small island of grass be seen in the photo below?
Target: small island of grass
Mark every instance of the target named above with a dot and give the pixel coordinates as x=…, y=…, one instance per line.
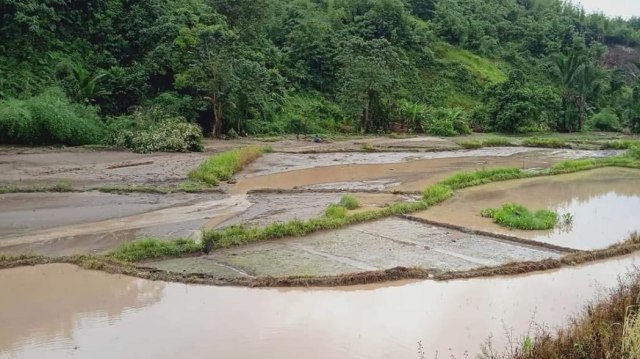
x=516, y=216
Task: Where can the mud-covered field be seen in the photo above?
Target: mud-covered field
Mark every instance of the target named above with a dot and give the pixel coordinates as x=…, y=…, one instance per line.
x=299, y=180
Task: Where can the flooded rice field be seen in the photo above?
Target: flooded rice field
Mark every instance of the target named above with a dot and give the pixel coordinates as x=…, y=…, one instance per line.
x=395, y=171
x=604, y=204
x=60, y=311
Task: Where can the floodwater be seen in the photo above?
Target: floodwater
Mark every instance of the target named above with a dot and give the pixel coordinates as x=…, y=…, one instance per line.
x=408, y=171
x=60, y=311
x=604, y=203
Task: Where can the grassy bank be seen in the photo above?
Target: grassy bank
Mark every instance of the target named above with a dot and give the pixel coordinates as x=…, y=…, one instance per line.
x=223, y=166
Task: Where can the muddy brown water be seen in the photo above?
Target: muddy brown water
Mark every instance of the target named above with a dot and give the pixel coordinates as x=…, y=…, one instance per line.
x=604, y=203
x=394, y=171
x=60, y=311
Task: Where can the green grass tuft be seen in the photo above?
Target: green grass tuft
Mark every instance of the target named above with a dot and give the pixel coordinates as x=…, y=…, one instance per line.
x=349, y=202
x=516, y=216
x=148, y=248
x=436, y=194
x=223, y=166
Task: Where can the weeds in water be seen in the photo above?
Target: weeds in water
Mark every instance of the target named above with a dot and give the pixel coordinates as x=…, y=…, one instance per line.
x=349, y=202
x=148, y=248
x=60, y=186
x=223, y=166
x=436, y=194
x=516, y=216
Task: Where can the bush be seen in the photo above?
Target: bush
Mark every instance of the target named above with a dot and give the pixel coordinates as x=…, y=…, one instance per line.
x=448, y=122
x=151, y=130
x=49, y=118
x=605, y=120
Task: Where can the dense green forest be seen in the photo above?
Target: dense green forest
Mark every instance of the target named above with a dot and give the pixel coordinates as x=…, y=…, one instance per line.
x=149, y=74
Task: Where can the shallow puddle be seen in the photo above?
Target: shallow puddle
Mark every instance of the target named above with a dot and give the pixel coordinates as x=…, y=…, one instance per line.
x=59, y=311
x=604, y=204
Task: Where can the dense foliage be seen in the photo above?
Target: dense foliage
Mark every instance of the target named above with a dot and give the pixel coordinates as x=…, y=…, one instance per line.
x=274, y=66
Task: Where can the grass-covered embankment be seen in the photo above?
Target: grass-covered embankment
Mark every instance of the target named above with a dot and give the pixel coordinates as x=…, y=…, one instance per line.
x=223, y=166
x=516, y=216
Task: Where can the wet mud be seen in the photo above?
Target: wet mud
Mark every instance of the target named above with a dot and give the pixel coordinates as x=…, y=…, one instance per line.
x=604, y=204
x=379, y=245
x=60, y=311
x=388, y=171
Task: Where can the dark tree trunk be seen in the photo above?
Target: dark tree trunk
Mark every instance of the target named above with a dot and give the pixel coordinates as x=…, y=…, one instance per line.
x=217, y=115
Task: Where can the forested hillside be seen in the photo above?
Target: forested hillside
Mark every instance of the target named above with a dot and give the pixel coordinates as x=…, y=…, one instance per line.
x=139, y=73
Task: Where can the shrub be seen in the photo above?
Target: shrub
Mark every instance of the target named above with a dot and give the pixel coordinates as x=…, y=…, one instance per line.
x=142, y=135
x=605, y=120
x=232, y=134
x=516, y=216
x=448, y=122
x=49, y=118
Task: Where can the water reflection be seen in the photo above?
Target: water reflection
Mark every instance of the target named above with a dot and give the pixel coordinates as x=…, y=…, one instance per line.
x=47, y=305
x=360, y=322
x=604, y=204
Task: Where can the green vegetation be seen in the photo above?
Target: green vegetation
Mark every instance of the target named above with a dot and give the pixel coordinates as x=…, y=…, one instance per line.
x=546, y=142
x=606, y=328
x=349, y=202
x=516, y=216
x=468, y=179
x=60, y=186
x=48, y=118
x=149, y=248
x=152, y=75
x=223, y=166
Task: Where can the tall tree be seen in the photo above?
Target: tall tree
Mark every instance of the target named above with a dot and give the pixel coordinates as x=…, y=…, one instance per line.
x=206, y=58
x=369, y=73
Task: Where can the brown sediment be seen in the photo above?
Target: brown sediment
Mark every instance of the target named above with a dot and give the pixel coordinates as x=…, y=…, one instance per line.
x=409, y=175
x=106, y=264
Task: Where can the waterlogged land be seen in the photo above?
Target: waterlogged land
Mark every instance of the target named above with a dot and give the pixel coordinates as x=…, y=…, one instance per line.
x=89, y=201
x=60, y=311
